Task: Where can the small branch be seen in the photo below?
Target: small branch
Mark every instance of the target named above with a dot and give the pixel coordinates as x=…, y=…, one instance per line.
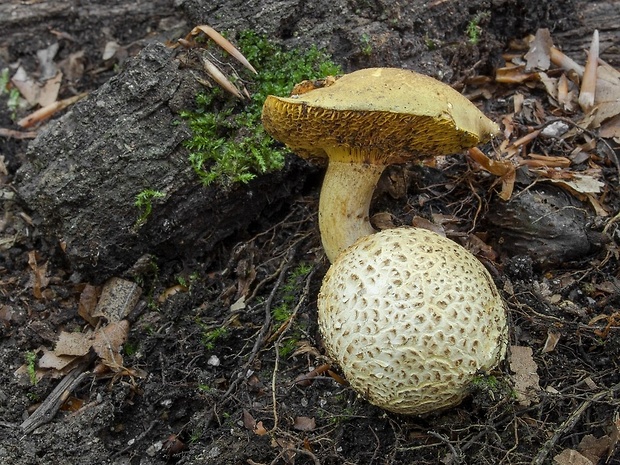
x=287, y=325
x=457, y=455
x=48, y=409
x=569, y=424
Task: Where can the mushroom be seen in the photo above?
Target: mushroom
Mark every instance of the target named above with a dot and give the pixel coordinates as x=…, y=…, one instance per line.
x=411, y=317
x=362, y=122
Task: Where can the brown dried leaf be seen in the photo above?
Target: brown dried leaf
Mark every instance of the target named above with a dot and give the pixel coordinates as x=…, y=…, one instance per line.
x=118, y=298
x=88, y=303
x=525, y=377
x=551, y=342
x=513, y=75
x=220, y=78
x=571, y=457
x=538, y=56
x=49, y=91
x=51, y=360
x=108, y=340
x=420, y=222
x=383, y=220
x=38, y=278
x=502, y=168
x=169, y=292
x=73, y=344
x=581, y=183
x=304, y=347
x=73, y=66
x=260, y=430
x=28, y=87
x=611, y=128
x=594, y=448
x=480, y=248
x=248, y=420
x=536, y=159
x=304, y=424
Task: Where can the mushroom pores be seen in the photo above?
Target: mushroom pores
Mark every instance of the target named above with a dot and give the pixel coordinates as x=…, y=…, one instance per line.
x=411, y=317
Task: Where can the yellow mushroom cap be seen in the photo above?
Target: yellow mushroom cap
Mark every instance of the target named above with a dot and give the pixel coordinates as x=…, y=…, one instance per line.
x=412, y=318
x=384, y=115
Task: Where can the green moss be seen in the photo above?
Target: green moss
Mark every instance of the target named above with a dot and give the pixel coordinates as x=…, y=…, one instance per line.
x=211, y=337
x=229, y=144
x=474, y=30
x=14, y=96
x=144, y=202
x=31, y=366
x=281, y=313
x=366, y=45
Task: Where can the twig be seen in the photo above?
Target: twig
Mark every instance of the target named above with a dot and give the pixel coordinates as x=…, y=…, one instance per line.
x=457, y=456
x=47, y=410
x=287, y=325
x=296, y=450
x=569, y=424
x=137, y=440
x=260, y=338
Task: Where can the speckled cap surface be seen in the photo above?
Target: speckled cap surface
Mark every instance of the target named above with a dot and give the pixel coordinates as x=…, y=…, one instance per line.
x=385, y=115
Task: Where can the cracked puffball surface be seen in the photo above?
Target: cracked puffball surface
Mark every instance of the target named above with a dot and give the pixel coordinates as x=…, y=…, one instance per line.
x=411, y=318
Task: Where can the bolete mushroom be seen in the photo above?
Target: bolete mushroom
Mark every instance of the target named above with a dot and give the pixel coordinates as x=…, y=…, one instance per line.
x=411, y=317
x=362, y=122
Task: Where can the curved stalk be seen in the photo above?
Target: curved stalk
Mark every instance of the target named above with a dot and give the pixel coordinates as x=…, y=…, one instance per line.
x=344, y=204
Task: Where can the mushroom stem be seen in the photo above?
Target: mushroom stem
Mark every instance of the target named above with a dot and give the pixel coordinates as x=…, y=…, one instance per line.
x=344, y=204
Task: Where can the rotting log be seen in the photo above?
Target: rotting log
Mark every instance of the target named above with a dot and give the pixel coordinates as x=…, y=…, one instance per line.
x=83, y=173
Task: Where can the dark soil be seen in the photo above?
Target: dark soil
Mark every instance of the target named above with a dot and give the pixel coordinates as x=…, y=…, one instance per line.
x=213, y=361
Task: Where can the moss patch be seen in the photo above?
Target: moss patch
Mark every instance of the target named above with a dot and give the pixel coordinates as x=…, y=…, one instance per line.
x=229, y=144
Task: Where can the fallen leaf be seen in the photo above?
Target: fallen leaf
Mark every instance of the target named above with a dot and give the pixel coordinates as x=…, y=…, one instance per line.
x=571, y=457
x=38, y=278
x=45, y=59
x=513, y=75
x=582, y=183
x=502, y=168
x=118, y=298
x=551, y=342
x=88, y=303
x=248, y=420
x=383, y=220
x=54, y=361
x=304, y=424
x=525, y=376
x=108, y=340
x=538, y=56
x=73, y=66
x=73, y=344
x=594, y=448
x=420, y=222
x=260, y=430
x=611, y=128
x=170, y=291
x=110, y=49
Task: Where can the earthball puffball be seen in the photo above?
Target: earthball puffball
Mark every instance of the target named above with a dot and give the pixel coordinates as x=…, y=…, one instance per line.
x=411, y=317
